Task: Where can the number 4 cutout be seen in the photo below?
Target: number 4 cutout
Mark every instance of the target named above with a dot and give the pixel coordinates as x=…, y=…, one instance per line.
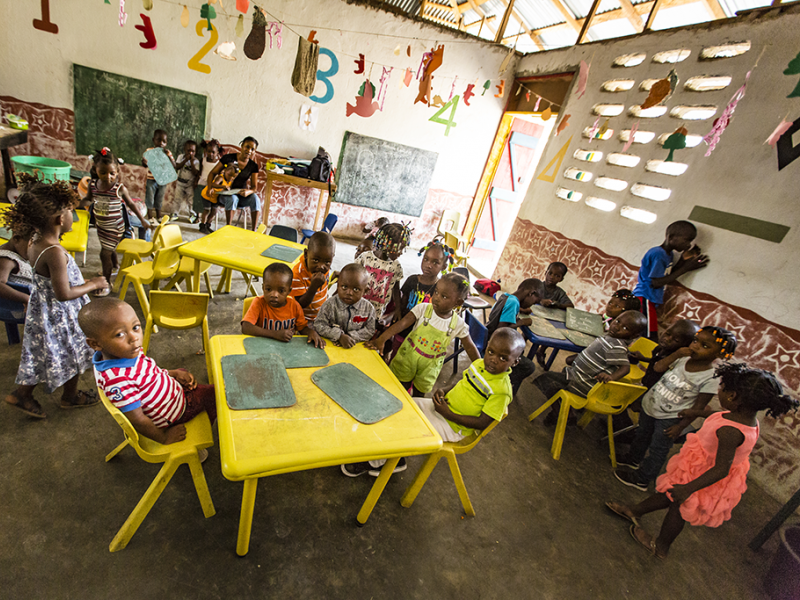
x=452, y=104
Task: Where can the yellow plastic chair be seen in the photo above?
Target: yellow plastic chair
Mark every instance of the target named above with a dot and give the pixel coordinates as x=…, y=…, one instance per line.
x=178, y=310
x=198, y=436
x=645, y=346
x=449, y=450
x=135, y=251
x=164, y=265
x=449, y=222
x=170, y=235
x=460, y=246
x=604, y=398
x=246, y=305
x=225, y=280
x=77, y=239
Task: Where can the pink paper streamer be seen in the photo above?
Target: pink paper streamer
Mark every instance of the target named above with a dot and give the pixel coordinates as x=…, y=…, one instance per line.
x=634, y=129
x=713, y=136
x=583, y=78
x=278, y=31
x=594, y=129
x=779, y=131
x=123, y=16
x=536, y=108
x=384, y=89
x=452, y=89
x=425, y=58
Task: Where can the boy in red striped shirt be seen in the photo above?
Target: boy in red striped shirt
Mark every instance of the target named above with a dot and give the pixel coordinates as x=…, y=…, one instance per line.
x=310, y=275
x=156, y=401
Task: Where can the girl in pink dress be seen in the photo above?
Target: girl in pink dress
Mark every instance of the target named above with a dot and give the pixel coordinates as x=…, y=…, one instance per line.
x=706, y=480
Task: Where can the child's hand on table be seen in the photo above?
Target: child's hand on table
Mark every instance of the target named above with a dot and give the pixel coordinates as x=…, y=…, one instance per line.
x=345, y=341
x=313, y=338
x=185, y=378
x=283, y=335
x=526, y=322
x=546, y=302
x=177, y=433
x=376, y=345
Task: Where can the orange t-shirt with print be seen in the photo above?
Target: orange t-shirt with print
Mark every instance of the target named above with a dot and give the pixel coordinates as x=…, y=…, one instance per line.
x=288, y=316
x=300, y=285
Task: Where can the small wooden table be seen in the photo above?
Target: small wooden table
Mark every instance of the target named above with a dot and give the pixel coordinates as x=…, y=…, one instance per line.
x=10, y=137
x=322, y=186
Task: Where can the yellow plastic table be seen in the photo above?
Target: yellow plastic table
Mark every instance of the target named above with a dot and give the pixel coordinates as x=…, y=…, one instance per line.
x=313, y=433
x=235, y=248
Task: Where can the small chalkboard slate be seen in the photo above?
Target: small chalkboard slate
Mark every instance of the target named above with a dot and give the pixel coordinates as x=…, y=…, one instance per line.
x=296, y=354
x=551, y=314
x=5, y=234
x=365, y=400
x=160, y=166
x=283, y=253
x=585, y=322
x=578, y=338
x=544, y=328
x=256, y=381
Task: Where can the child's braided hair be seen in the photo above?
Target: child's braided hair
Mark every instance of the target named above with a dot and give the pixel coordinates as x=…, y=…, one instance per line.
x=447, y=251
x=629, y=301
x=393, y=237
x=37, y=203
x=724, y=338
x=755, y=389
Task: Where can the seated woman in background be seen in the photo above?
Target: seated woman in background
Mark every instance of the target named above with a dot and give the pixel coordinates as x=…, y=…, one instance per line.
x=246, y=181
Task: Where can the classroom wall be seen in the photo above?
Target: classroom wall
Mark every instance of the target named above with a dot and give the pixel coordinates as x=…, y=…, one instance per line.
x=255, y=97
x=750, y=285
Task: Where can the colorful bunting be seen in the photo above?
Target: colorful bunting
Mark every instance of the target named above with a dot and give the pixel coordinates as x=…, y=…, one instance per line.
x=243, y=6
x=408, y=77
x=468, y=93
x=676, y=141
x=148, y=4
x=185, y=16
x=364, y=106
x=563, y=124
x=661, y=90
x=713, y=136
x=430, y=62
x=208, y=12
x=547, y=114
x=225, y=50
x=359, y=64
x=123, y=16
x=256, y=40
x=632, y=134
x=239, y=29
x=536, y=106
x=486, y=85
x=386, y=73
x=146, y=28
x=275, y=30
x=501, y=89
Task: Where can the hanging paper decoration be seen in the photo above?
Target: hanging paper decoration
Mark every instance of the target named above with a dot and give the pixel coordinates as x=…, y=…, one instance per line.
x=486, y=85
x=437, y=101
x=243, y=6
x=408, y=77
x=364, y=107
x=312, y=37
x=554, y=164
x=519, y=89
x=146, y=28
x=239, y=26
x=408, y=51
x=506, y=61
x=359, y=64
x=304, y=76
x=547, y=114
x=778, y=132
x=363, y=85
x=195, y=63
x=788, y=152
x=208, y=12
x=45, y=24
x=501, y=89
x=563, y=124
x=430, y=62
x=676, y=141
x=452, y=89
x=397, y=50
x=527, y=96
x=386, y=73
x=108, y=1
x=661, y=90
x=225, y=50
x=603, y=129
x=594, y=129
x=450, y=121
x=275, y=30
x=794, y=69
x=583, y=78
x=308, y=117
x=713, y=136
x=325, y=77
x=148, y=4
x=632, y=134
x=257, y=39
x=536, y=106
x=185, y=16
x=468, y=93
x=123, y=16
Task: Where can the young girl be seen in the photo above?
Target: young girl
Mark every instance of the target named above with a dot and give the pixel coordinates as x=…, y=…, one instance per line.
x=706, y=480
x=385, y=272
x=211, y=192
x=210, y=160
x=54, y=349
x=106, y=194
x=188, y=167
x=15, y=269
x=620, y=301
x=419, y=360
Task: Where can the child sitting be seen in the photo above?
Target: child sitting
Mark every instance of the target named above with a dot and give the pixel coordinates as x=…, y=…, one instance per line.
x=157, y=402
x=347, y=318
x=688, y=383
x=620, y=301
x=154, y=193
x=421, y=356
x=678, y=335
x=554, y=296
x=706, y=480
x=478, y=398
x=310, y=283
x=15, y=270
x=277, y=315
x=217, y=184
x=604, y=360
x=383, y=268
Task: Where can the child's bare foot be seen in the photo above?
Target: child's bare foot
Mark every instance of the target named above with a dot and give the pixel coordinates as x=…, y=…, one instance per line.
x=623, y=511
x=26, y=404
x=81, y=399
x=647, y=541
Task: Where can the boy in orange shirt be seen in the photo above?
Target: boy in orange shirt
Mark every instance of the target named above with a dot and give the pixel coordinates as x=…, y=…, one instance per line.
x=310, y=283
x=276, y=315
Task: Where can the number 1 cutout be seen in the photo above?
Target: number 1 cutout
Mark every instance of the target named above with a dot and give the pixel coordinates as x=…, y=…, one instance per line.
x=450, y=122
x=194, y=62
x=44, y=24
x=324, y=77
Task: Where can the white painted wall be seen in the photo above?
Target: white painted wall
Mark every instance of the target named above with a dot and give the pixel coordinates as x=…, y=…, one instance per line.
x=741, y=176
x=255, y=97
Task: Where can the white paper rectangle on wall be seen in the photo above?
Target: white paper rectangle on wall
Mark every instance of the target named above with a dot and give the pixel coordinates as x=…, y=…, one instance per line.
x=309, y=115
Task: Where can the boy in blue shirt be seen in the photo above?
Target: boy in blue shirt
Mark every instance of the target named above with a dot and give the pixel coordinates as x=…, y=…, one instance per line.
x=653, y=274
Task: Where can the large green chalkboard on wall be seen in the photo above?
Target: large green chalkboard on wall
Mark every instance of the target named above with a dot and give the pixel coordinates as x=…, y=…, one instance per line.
x=122, y=113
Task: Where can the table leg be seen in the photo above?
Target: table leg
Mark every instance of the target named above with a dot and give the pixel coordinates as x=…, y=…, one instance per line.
x=532, y=351
x=196, y=277
x=267, y=195
x=246, y=516
x=317, y=223
x=549, y=363
x=377, y=490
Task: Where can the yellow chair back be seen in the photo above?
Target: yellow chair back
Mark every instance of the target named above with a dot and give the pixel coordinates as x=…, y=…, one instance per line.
x=166, y=262
x=261, y=228
x=169, y=235
x=612, y=397
x=449, y=222
x=147, y=449
x=643, y=345
x=246, y=305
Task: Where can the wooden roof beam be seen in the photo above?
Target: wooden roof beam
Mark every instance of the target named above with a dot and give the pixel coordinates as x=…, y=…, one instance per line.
x=471, y=4
x=587, y=22
x=715, y=9
x=504, y=21
x=631, y=15
x=456, y=14
x=570, y=18
x=651, y=17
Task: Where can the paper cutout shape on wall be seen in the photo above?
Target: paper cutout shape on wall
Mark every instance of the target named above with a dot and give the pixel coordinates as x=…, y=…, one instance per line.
x=452, y=88
x=408, y=50
x=397, y=50
x=538, y=102
x=275, y=30
x=778, y=132
x=634, y=129
x=563, y=124
x=359, y=64
x=364, y=106
x=501, y=89
x=554, y=164
x=312, y=37
x=148, y=4
x=408, y=77
x=363, y=85
x=45, y=24
x=225, y=50
x=195, y=62
x=243, y=6
x=583, y=78
x=547, y=114
x=324, y=77
x=386, y=73
x=208, y=12
x=527, y=96
x=185, y=16
x=506, y=61
x=146, y=28
x=304, y=75
x=256, y=40
x=239, y=29
x=486, y=85
x=450, y=121
x=437, y=101
x=430, y=62
x=787, y=151
x=676, y=141
x=603, y=129
x=123, y=16
x=794, y=69
x=713, y=136
x=661, y=90
x=308, y=117
x=468, y=93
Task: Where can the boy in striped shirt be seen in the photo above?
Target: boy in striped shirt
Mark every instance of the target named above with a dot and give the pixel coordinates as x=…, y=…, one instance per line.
x=310, y=275
x=156, y=401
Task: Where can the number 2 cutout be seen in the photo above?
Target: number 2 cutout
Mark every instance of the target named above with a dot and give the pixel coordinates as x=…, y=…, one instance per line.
x=194, y=62
x=453, y=103
x=324, y=77
x=44, y=24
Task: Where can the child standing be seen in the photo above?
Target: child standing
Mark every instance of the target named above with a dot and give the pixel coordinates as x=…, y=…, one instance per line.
x=436, y=259
x=554, y=296
x=620, y=301
x=653, y=273
x=706, y=480
x=688, y=383
x=310, y=283
x=154, y=193
x=678, y=335
x=383, y=268
x=210, y=160
x=156, y=401
x=54, y=349
x=277, y=315
x=188, y=167
x=421, y=356
x=106, y=194
x=347, y=318
x=481, y=396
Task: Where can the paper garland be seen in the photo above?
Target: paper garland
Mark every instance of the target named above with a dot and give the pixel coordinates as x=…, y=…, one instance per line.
x=468, y=93
x=563, y=124
x=146, y=28
x=430, y=62
x=185, y=16
x=486, y=85
x=225, y=50
x=243, y=6
x=778, y=132
x=123, y=16
x=256, y=40
x=364, y=106
x=631, y=135
x=359, y=64
x=501, y=89
x=713, y=136
x=676, y=141
x=583, y=78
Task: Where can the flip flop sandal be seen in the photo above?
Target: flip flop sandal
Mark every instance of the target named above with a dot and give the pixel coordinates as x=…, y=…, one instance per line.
x=646, y=541
x=21, y=407
x=616, y=508
x=82, y=395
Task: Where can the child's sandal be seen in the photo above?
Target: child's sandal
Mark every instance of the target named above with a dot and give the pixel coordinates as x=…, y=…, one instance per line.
x=646, y=541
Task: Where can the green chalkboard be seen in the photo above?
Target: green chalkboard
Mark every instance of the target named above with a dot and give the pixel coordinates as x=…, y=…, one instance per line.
x=356, y=393
x=254, y=382
x=122, y=113
x=296, y=354
x=585, y=322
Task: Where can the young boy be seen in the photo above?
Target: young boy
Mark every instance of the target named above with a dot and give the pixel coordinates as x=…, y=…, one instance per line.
x=480, y=397
x=554, y=296
x=605, y=359
x=505, y=313
x=347, y=318
x=154, y=400
x=310, y=282
x=154, y=193
x=678, y=335
x=653, y=272
x=277, y=315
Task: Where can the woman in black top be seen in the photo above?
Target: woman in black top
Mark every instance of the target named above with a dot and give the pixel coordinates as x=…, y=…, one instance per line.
x=246, y=180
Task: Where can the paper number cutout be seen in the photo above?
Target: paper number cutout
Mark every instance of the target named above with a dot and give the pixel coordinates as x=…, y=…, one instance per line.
x=44, y=24
x=324, y=77
x=194, y=62
x=450, y=122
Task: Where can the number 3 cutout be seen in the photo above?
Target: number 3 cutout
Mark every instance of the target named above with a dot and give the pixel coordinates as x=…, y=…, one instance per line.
x=324, y=77
x=194, y=62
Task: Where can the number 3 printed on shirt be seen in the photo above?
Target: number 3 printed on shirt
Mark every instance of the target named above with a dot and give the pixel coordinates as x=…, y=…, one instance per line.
x=194, y=62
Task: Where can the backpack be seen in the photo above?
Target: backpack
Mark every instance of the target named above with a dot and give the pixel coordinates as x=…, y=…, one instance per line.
x=487, y=286
x=320, y=167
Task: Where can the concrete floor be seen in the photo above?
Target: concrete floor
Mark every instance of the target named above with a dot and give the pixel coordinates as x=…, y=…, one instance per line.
x=541, y=529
